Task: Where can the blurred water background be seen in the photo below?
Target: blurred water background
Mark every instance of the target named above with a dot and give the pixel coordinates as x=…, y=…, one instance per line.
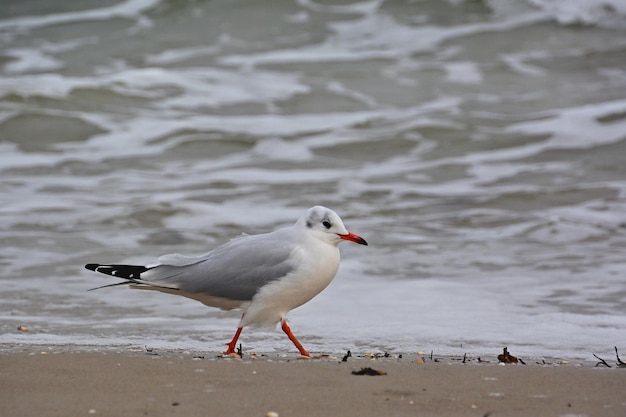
x=479, y=147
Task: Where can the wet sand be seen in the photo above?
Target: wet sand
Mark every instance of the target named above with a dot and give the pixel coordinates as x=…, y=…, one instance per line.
x=59, y=382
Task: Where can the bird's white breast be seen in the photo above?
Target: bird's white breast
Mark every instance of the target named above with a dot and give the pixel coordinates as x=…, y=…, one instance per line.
x=317, y=266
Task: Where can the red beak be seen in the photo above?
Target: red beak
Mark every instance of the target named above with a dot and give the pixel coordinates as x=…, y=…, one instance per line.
x=353, y=238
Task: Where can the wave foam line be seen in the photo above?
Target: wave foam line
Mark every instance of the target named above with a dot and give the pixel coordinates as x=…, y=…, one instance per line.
x=127, y=9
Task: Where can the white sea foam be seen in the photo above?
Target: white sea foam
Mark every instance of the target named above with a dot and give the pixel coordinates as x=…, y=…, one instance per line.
x=376, y=36
x=601, y=12
x=569, y=128
x=127, y=9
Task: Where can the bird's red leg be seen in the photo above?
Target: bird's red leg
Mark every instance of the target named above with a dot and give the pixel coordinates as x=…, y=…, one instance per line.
x=291, y=337
x=233, y=343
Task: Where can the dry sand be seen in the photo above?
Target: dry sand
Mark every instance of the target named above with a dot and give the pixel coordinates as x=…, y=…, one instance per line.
x=64, y=383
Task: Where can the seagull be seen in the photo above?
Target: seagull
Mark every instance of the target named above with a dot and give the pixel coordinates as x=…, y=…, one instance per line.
x=265, y=275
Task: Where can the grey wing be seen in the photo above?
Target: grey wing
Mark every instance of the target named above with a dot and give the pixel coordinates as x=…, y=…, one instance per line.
x=235, y=270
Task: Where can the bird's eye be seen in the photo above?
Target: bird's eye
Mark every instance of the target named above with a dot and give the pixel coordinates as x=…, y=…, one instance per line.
x=326, y=224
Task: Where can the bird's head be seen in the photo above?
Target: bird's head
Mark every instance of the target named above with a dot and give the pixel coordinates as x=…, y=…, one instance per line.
x=328, y=226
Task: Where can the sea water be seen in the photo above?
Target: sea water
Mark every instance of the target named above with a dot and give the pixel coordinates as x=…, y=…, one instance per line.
x=478, y=146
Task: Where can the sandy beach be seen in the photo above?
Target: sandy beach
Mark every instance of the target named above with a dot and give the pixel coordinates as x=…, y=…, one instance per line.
x=63, y=382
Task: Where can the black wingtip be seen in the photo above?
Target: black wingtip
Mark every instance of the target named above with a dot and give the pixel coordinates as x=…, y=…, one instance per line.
x=119, y=271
